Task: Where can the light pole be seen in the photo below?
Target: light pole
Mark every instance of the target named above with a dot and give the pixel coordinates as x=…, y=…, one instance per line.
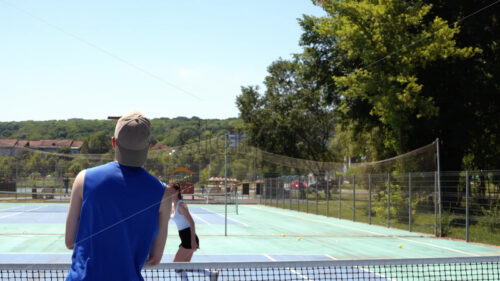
x=171, y=155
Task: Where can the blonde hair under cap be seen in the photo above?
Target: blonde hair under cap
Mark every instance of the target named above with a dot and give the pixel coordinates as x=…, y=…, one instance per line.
x=132, y=136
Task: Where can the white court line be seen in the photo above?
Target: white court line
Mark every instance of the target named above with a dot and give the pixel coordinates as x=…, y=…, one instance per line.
x=331, y=257
x=362, y=230
x=13, y=208
x=194, y=215
x=291, y=269
x=324, y=222
x=303, y=276
x=269, y=257
x=224, y=217
x=18, y=213
x=379, y=275
x=440, y=247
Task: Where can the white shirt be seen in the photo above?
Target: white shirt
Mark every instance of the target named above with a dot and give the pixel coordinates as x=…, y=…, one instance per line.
x=180, y=220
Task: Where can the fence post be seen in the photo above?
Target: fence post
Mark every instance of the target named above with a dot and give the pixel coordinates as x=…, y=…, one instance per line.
x=353, y=197
x=290, y=192
x=282, y=186
x=17, y=171
x=317, y=199
x=277, y=188
x=298, y=193
x=369, y=198
x=435, y=204
x=261, y=190
x=439, y=188
x=340, y=196
x=409, y=202
x=388, y=200
x=327, y=196
x=307, y=200
x=264, y=184
x=467, y=187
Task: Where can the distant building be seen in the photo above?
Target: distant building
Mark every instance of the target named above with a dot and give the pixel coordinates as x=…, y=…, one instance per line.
x=76, y=145
x=10, y=147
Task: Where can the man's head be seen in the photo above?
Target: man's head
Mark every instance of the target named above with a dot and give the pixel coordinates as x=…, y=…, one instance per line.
x=132, y=138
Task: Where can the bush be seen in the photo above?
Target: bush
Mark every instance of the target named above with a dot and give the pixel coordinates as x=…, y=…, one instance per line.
x=399, y=204
x=491, y=217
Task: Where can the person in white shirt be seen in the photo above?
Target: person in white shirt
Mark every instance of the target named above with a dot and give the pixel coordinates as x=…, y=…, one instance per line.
x=189, y=240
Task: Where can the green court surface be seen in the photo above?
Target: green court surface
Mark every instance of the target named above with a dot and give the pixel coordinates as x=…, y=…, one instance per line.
x=35, y=233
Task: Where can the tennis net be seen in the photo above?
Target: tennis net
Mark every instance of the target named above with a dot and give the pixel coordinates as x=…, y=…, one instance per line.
x=435, y=269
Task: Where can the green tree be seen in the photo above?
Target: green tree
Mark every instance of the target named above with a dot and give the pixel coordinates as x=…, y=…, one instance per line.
x=292, y=117
x=387, y=43
x=98, y=142
x=7, y=168
x=468, y=88
x=64, y=150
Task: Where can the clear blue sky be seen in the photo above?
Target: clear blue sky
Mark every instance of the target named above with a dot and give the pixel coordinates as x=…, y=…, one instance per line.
x=90, y=59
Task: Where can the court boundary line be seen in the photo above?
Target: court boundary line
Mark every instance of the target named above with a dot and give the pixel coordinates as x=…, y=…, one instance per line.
x=225, y=217
x=314, y=220
x=291, y=270
x=196, y=216
x=382, y=235
x=331, y=257
x=441, y=247
x=269, y=257
x=18, y=213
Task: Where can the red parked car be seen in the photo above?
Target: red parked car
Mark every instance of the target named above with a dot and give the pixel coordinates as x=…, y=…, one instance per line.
x=295, y=184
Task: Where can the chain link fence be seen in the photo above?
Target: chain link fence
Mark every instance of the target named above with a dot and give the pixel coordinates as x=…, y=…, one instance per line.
x=461, y=205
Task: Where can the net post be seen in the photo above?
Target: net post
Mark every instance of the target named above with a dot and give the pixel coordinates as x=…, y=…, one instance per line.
x=409, y=202
x=467, y=187
x=353, y=197
x=369, y=198
x=388, y=200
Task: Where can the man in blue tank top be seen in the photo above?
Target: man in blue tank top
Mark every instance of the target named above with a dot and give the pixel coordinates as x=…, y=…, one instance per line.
x=118, y=216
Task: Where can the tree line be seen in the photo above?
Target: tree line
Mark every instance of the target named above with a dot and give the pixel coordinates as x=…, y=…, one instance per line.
x=96, y=134
x=379, y=78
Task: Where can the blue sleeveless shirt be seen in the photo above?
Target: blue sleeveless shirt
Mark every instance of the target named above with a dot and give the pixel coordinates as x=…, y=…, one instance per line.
x=118, y=222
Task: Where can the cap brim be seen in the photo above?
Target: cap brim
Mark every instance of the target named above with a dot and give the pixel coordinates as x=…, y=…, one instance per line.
x=129, y=157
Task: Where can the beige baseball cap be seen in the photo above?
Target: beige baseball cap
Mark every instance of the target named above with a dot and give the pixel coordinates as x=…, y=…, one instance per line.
x=132, y=136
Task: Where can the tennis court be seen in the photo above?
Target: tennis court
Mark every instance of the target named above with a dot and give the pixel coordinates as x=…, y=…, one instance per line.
x=33, y=233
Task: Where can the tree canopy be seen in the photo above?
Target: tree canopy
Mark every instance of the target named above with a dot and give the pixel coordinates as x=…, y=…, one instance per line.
x=379, y=78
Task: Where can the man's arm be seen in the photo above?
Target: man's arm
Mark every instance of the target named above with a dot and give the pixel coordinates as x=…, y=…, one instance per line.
x=75, y=206
x=159, y=241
